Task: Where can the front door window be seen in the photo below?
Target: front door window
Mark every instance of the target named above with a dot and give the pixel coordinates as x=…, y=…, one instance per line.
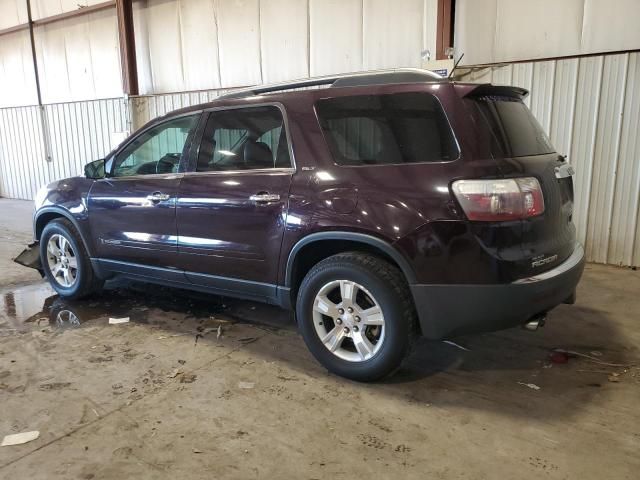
x=156, y=151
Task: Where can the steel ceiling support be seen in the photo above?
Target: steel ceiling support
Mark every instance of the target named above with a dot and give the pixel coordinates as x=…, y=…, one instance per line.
x=444, y=28
x=124, y=11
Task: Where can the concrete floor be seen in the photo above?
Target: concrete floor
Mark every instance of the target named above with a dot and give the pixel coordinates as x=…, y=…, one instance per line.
x=163, y=397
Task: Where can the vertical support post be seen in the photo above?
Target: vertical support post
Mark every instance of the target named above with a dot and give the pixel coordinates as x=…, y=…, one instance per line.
x=124, y=10
x=444, y=28
x=41, y=112
x=33, y=52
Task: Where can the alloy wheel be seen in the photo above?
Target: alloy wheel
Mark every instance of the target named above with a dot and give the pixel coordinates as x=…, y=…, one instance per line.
x=348, y=320
x=62, y=261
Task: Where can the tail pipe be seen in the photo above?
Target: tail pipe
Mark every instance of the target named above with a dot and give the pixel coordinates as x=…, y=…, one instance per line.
x=536, y=322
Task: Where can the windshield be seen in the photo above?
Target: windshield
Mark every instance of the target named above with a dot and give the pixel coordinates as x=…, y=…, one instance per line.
x=513, y=129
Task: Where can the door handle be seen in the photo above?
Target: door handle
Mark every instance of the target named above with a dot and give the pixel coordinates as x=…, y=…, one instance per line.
x=158, y=197
x=264, y=197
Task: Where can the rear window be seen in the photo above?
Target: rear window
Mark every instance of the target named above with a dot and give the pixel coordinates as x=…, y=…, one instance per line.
x=386, y=129
x=513, y=129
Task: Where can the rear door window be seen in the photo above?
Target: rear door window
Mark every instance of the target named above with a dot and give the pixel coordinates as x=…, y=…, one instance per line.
x=513, y=129
x=244, y=139
x=386, y=129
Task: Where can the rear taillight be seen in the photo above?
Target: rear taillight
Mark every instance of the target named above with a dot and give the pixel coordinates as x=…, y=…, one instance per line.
x=499, y=200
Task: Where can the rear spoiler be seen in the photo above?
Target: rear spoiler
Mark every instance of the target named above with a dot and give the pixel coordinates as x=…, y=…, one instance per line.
x=486, y=89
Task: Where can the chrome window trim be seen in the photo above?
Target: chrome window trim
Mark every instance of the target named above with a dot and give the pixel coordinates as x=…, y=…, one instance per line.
x=279, y=170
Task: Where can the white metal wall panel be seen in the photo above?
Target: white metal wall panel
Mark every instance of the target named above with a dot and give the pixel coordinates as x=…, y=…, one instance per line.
x=284, y=39
x=176, y=45
x=335, y=35
x=627, y=186
x=525, y=29
x=78, y=133
x=503, y=75
x=78, y=58
x=563, y=108
x=22, y=159
x=12, y=12
x=71, y=151
x=239, y=41
x=48, y=8
x=17, y=81
x=430, y=26
x=610, y=25
x=492, y=31
x=474, y=32
x=523, y=77
x=392, y=36
x=199, y=40
x=541, y=96
x=606, y=156
x=584, y=134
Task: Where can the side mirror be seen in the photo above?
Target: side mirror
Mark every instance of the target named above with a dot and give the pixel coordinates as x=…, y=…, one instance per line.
x=94, y=169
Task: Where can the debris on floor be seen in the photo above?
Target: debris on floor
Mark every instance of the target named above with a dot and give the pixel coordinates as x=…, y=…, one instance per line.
x=532, y=386
x=115, y=321
x=20, y=438
x=219, y=334
x=175, y=373
x=188, y=378
x=246, y=385
x=559, y=357
x=592, y=358
x=454, y=344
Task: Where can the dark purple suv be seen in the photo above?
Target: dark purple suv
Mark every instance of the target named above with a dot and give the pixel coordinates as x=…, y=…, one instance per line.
x=383, y=206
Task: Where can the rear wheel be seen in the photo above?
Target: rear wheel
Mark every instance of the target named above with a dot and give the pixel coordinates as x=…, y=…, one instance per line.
x=356, y=315
x=65, y=261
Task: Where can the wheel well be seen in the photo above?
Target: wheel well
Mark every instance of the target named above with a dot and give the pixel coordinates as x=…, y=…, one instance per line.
x=43, y=220
x=314, y=252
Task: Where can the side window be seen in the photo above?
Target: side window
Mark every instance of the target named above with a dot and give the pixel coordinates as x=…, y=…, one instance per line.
x=244, y=139
x=158, y=150
x=386, y=129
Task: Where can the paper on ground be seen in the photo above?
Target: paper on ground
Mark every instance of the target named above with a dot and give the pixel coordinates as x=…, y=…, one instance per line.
x=113, y=321
x=19, y=438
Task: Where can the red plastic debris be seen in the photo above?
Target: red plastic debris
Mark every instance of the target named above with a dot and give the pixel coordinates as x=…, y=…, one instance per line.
x=559, y=357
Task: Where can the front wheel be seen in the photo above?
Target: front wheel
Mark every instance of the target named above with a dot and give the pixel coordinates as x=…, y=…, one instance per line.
x=356, y=315
x=65, y=261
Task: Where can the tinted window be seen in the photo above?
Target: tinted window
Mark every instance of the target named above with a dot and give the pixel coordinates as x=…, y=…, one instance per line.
x=513, y=129
x=386, y=129
x=244, y=139
x=158, y=150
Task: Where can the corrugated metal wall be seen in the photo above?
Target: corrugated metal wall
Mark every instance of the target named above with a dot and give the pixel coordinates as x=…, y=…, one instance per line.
x=590, y=107
x=40, y=145
x=74, y=134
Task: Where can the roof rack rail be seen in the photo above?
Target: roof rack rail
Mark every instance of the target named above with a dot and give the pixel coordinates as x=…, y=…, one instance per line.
x=373, y=77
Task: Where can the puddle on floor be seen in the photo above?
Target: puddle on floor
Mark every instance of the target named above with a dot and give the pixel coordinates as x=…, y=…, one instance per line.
x=36, y=305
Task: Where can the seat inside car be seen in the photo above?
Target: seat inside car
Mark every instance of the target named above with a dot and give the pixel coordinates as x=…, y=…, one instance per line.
x=257, y=155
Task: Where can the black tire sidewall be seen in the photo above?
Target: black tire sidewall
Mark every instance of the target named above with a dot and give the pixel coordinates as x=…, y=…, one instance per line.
x=396, y=341
x=78, y=248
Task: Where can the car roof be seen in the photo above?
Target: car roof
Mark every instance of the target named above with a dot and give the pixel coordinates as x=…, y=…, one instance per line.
x=356, y=79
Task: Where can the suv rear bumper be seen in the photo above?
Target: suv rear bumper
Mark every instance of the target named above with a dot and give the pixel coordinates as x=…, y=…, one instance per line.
x=450, y=310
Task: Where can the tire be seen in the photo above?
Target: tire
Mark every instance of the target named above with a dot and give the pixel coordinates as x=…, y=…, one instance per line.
x=82, y=280
x=377, y=344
